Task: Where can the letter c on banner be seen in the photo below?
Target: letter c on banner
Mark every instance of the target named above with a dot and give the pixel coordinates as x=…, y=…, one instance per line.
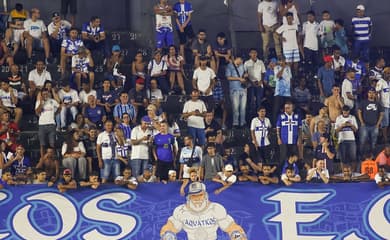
x=378, y=221
x=65, y=208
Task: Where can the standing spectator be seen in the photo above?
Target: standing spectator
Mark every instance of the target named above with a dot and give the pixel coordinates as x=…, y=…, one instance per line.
x=370, y=115
x=154, y=94
x=202, y=48
x=267, y=15
x=260, y=127
x=124, y=107
x=16, y=81
x=361, y=28
x=164, y=28
x=46, y=108
x=164, y=151
x=94, y=36
x=326, y=78
x=383, y=90
x=289, y=6
x=69, y=102
x=37, y=77
x=310, y=32
x=326, y=32
x=9, y=100
x=175, y=68
x=288, y=128
x=190, y=158
x=141, y=138
x=90, y=147
x=335, y=103
x=211, y=125
x=282, y=77
x=138, y=98
x=236, y=75
x=256, y=71
x=183, y=13
x=345, y=127
x=223, y=54
x=203, y=80
x=340, y=36
x=289, y=34
x=347, y=92
x=69, y=47
x=360, y=73
x=376, y=72
x=9, y=131
x=106, y=152
x=35, y=34
x=318, y=174
x=157, y=69
x=50, y=164
x=194, y=111
x=82, y=68
x=211, y=163
x=57, y=31
x=338, y=64
x=73, y=152
x=72, y=5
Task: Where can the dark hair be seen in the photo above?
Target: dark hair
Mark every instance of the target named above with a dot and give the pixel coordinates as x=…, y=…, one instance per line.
x=340, y=22
x=93, y=18
x=291, y=168
x=335, y=47
x=289, y=14
x=261, y=108
x=252, y=49
x=127, y=169
x=201, y=30
x=73, y=29
x=211, y=145
x=325, y=11
x=94, y=173
x=221, y=35
x=311, y=12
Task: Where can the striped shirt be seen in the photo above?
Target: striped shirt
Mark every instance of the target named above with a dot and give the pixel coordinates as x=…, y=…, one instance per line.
x=120, y=109
x=362, y=28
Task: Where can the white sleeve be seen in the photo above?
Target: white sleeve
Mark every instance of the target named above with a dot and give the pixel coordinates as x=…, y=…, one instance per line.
x=99, y=139
x=50, y=28
x=48, y=75
x=74, y=61
x=212, y=73
x=43, y=27
x=82, y=148
x=75, y=97
x=185, y=108
x=63, y=149
x=233, y=179
x=283, y=177
x=378, y=178
x=260, y=8
x=253, y=124
x=224, y=220
x=280, y=29
x=176, y=217
x=195, y=75
x=268, y=122
x=354, y=122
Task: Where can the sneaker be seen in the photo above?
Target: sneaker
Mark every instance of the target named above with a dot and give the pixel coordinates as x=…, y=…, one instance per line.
x=63, y=129
x=47, y=61
x=183, y=92
x=171, y=92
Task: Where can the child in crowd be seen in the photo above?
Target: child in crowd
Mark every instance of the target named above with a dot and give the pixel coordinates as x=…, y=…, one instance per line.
x=67, y=182
x=290, y=177
x=326, y=33
x=127, y=180
x=93, y=181
x=267, y=175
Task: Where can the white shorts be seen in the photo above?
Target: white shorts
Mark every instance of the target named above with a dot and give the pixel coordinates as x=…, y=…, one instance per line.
x=291, y=55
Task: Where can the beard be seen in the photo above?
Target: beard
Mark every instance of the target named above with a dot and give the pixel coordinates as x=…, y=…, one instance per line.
x=198, y=206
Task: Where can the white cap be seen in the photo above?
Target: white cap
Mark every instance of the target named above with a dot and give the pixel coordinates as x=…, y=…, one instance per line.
x=229, y=167
x=360, y=7
x=170, y=172
x=196, y=187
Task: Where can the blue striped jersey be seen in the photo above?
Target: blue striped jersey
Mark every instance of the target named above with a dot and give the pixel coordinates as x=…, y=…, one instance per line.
x=361, y=28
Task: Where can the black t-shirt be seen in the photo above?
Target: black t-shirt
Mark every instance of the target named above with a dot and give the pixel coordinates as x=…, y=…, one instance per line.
x=137, y=96
x=370, y=111
x=213, y=125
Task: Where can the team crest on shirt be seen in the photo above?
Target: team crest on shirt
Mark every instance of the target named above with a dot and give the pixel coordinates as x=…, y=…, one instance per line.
x=283, y=116
x=99, y=112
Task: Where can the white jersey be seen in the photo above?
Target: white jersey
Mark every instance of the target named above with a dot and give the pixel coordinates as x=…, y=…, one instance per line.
x=35, y=29
x=261, y=129
x=269, y=10
x=6, y=99
x=346, y=133
x=294, y=11
x=383, y=88
x=310, y=30
x=204, y=78
x=201, y=225
x=347, y=87
x=163, y=21
x=289, y=32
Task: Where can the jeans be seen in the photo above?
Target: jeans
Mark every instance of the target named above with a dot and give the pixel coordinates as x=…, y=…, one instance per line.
x=111, y=166
x=64, y=112
x=72, y=163
x=362, y=49
x=370, y=133
x=138, y=166
x=238, y=98
x=255, y=95
x=198, y=135
x=347, y=150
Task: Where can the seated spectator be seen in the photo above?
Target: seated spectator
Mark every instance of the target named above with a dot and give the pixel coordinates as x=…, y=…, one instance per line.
x=69, y=48
x=40, y=177
x=3, y=156
x=248, y=155
x=226, y=178
x=138, y=67
x=175, y=69
x=171, y=176
x=82, y=68
x=154, y=94
x=124, y=107
x=107, y=98
x=67, y=182
x=35, y=33
x=147, y=176
x=113, y=68
x=321, y=130
x=69, y=102
x=122, y=148
x=318, y=174
x=6, y=55
x=85, y=93
x=222, y=52
x=19, y=163
x=16, y=81
x=382, y=178
x=50, y=164
x=369, y=166
x=212, y=138
x=9, y=100
x=193, y=174
x=211, y=164
x=14, y=32
x=94, y=115
x=73, y=152
x=9, y=131
x=290, y=177
x=322, y=115
x=37, y=77
x=80, y=126
x=302, y=95
x=245, y=174
x=228, y=157
x=348, y=176
x=127, y=180
x=267, y=175
x=157, y=69
x=57, y=31
x=94, y=36
x=6, y=179
x=383, y=157
x=93, y=181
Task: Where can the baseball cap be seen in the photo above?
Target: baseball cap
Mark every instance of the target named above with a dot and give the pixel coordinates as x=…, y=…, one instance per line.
x=149, y=167
x=146, y=119
x=360, y=7
x=196, y=187
x=229, y=167
x=328, y=58
x=170, y=172
x=371, y=89
x=116, y=48
x=140, y=81
x=55, y=14
x=273, y=60
x=67, y=172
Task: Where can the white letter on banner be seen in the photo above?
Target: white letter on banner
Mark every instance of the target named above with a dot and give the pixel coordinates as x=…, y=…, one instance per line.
x=2, y=197
x=377, y=219
x=66, y=211
x=289, y=218
x=92, y=211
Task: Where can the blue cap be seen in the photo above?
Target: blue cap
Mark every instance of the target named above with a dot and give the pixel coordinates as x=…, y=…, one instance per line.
x=116, y=48
x=149, y=167
x=273, y=60
x=146, y=119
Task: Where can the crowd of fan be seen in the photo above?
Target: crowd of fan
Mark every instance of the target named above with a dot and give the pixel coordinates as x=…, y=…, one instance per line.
x=119, y=126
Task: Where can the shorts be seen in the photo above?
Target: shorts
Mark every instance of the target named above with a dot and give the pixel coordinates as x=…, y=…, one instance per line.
x=292, y=55
x=47, y=135
x=385, y=120
x=17, y=35
x=72, y=4
x=164, y=37
x=188, y=32
x=162, y=169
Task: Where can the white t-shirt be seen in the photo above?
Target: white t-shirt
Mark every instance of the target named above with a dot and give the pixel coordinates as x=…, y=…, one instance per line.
x=49, y=109
x=346, y=134
x=103, y=140
x=35, y=29
x=316, y=175
x=338, y=63
x=289, y=32
x=378, y=178
x=79, y=148
x=203, y=78
x=383, y=87
x=163, y=21
x=39, y=79
x=269, y=11
x=6, y=98
x=255, y=69
x=232, y=179
x=261, y=128
x=131, y=180
x=68, y=97
x=156, y=94
x=65, y=25
x=156, y=68
x=347, y=87
x=195, y=121
x=310, y=30
x=140, y=151
x=84, y=96
x=284, y=176
x=294, y=11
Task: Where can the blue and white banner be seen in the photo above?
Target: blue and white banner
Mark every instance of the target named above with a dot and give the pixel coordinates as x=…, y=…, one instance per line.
x=306, y=211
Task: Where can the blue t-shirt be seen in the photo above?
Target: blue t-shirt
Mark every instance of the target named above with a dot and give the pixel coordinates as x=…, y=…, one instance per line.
x=20, y=167
x=270, y=77
x=340, y=38
x=95, y=114
x=126, y=130
x=183, y=13
x=87, y=28
x=231, y=72
x=326, y=77
x=107, y=97
x=164, y=147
